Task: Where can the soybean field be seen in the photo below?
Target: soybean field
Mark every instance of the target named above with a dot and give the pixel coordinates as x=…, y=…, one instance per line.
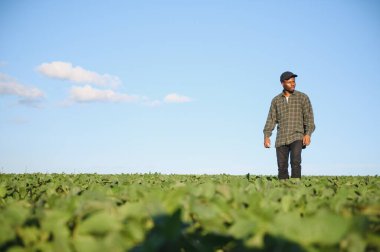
x=156, y=212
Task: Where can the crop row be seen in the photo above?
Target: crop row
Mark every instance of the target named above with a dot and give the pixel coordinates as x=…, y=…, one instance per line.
x=155, y=212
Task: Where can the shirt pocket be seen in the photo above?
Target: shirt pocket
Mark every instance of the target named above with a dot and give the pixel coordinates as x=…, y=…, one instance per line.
x=281, y=111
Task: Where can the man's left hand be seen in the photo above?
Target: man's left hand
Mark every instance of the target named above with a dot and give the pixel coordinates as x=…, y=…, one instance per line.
x=306, y=140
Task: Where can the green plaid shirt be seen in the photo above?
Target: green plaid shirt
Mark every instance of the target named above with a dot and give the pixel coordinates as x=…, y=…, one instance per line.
x=294, y=118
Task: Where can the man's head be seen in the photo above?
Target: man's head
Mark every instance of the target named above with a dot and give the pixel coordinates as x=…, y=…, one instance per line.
x=288, y=81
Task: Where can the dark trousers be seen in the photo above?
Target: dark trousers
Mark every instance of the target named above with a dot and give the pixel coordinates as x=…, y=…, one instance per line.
x=282, y=152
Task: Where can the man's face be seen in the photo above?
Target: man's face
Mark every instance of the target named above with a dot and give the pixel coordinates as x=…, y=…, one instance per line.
x=289, y=85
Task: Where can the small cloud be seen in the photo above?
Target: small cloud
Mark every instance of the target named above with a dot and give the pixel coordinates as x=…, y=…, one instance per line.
x=176, y=98
x=28, y=95
x=66, y=71
x=90, y=94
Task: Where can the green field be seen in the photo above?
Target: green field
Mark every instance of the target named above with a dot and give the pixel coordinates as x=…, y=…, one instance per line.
x=154, y=212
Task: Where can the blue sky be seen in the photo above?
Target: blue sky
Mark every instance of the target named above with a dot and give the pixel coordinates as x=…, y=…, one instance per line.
x=184, y=86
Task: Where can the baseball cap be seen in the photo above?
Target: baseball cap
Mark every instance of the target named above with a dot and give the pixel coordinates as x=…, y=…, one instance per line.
x=287, y=75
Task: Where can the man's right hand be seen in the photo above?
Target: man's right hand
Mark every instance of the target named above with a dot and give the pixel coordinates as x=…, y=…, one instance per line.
x=266, y=142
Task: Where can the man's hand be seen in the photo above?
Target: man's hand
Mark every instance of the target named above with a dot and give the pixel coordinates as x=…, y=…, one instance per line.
x=306, y=140
x=266, y=142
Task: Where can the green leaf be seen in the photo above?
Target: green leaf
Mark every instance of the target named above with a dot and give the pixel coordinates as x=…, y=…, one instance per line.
x=28, y=235
x=7, y=232
x=87, y=243
x=242, y=228
x=286, y=203
x=55, y=222
x=353, y=243
x=206, y=190
x=324, y=228
x=17, y=249
x=134, y=231
x=225, y=191
x=133, y=210
x=3, y=190
x=99, y=224
x=11, y=218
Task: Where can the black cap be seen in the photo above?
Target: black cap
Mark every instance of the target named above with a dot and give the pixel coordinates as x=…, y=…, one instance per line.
x=287, y=75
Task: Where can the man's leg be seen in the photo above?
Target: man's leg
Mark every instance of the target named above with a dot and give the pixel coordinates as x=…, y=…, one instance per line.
x=295, y=158
x=282, y=153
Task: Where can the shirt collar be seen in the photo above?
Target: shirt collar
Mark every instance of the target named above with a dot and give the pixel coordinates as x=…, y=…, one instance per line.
x=294, y=93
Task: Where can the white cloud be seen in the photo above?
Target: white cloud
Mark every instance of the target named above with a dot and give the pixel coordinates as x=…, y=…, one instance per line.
x=87, y=93
x=66, y=71
x=176, y=98
x=90, y=94
x=27, y=95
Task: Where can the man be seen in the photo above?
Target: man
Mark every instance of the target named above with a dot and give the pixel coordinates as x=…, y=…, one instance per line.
x=292, y=112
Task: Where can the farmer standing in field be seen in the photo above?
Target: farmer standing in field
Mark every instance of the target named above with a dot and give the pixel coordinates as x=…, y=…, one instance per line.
x=292, y=112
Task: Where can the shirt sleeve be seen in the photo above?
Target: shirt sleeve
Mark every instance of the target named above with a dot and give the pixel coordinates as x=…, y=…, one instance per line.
x=271, y=120
x=308, y=117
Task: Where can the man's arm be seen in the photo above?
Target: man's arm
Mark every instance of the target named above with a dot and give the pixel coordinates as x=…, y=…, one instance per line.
x=308, y=119
x=270, y=124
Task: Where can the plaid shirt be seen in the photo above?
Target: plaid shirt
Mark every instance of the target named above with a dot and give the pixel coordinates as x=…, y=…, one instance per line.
x=294, y=118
